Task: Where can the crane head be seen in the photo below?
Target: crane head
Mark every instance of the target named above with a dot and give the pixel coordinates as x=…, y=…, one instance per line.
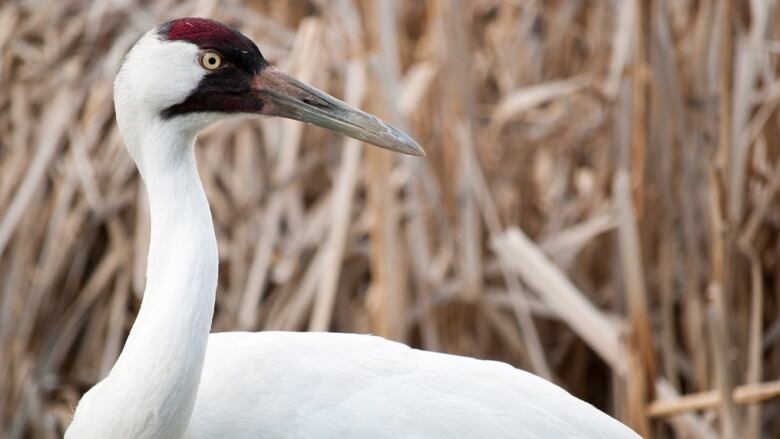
x=195, y=71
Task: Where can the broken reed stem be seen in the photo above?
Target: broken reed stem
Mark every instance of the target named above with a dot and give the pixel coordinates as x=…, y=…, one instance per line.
x=745, y=394
x=755, y=346
x=641, y=370
x=719, y=339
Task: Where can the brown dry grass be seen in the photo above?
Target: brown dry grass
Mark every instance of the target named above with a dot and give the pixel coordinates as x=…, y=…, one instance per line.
x=599, y=203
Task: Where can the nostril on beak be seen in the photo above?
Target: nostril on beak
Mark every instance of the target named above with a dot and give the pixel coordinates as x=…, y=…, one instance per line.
x=316, y=103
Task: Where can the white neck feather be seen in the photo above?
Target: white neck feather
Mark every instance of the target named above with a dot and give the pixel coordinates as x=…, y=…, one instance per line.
x=161, y=363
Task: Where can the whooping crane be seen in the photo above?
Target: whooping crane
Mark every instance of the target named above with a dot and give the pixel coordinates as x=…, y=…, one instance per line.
x=175, y=380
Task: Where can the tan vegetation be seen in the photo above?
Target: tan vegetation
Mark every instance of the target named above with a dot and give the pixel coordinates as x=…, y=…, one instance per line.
x=599, y=203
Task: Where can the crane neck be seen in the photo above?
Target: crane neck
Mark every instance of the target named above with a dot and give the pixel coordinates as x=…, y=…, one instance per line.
x=162, y=360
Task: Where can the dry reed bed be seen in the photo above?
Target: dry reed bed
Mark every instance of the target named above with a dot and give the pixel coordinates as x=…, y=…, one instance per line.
x=598, y=205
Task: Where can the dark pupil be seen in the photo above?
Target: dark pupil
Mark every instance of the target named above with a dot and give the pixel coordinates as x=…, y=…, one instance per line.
x=212, y=61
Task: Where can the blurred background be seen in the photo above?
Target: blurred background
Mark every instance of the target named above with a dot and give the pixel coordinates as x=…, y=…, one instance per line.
x=599, y=203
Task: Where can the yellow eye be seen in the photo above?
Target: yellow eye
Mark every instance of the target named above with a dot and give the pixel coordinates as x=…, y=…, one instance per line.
x=210, y=59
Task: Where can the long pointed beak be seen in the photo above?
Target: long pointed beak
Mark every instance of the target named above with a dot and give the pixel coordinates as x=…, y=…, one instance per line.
x=285, y=96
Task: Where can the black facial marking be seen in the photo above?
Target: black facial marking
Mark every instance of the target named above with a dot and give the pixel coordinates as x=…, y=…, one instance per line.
x=226, y=89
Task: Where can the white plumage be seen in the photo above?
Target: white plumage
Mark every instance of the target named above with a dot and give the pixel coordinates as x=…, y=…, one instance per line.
x=320, y=385
x=174, y=380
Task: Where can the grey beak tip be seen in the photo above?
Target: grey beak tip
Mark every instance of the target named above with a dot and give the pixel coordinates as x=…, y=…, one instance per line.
x=417, y=151
x=411, y=147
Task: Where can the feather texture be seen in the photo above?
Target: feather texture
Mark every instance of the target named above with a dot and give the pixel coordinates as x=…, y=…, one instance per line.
x=324, y=385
